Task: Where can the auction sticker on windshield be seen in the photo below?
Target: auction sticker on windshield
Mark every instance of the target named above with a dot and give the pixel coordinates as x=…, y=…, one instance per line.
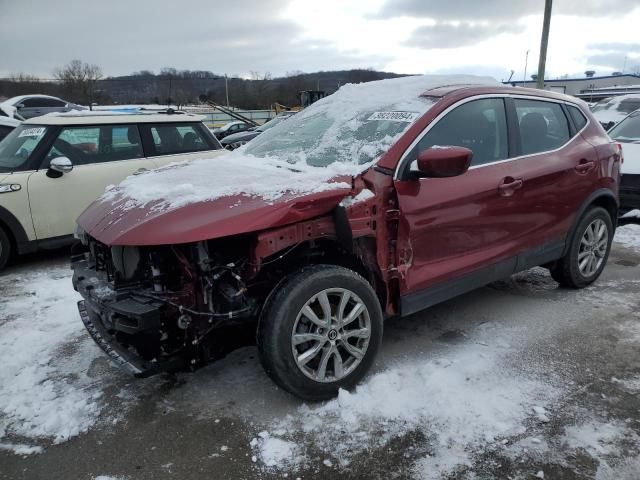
x=32, y=132
x=394, y=116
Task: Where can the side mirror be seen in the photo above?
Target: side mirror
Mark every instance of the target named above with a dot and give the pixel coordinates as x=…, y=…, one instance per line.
x=444, y=161
x=61, y=165
x=20, y=105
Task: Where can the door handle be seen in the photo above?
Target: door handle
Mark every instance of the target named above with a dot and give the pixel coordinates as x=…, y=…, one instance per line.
x=585, y=166
x=509, y=185
x=140, y=171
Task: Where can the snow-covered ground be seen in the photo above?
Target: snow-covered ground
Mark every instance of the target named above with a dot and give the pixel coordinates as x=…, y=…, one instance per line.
x=520, y=378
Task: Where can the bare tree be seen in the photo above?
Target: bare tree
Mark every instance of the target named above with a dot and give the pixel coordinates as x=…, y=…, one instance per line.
x=78, y=79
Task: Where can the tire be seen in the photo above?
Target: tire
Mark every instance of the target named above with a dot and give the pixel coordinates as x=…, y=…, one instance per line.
x=335, y=356
x=575, y=269
x=5, y=248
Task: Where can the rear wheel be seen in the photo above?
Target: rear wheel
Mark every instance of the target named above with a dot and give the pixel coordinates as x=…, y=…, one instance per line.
x=320, y=332
x=589, y=250
x=5, y=248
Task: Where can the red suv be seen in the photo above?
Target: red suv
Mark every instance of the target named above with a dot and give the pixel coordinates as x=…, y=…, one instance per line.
x=380, y=200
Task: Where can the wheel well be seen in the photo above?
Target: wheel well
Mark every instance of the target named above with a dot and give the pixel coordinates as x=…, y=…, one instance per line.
x=12, y=239
x=330, y=252
x=608, y=203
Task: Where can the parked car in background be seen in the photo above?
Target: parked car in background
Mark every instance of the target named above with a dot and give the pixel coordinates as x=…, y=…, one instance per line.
x=381, y=200
x=30, y=106
x=230, y=128
x=7, y=125
x=52, y=167
x=613, y=109
x=627, y=132
x=235, y=140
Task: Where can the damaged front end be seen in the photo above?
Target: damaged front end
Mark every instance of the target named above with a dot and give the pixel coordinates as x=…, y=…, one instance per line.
x=165, y=308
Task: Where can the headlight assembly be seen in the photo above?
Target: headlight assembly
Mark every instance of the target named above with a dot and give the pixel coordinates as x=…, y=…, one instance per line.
x=9, y=187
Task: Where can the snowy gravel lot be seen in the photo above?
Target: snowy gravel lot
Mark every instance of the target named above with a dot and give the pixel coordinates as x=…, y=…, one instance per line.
x=520, y=380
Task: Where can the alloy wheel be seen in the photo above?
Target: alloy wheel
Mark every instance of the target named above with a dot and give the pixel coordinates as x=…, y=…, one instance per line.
x=331, y=335
x=593, y=247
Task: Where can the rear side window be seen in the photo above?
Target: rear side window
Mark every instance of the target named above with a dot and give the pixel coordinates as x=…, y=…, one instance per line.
x=578, y=118
x=479, y=125
x=543, y=126
x=96, y=144
x=179, y=138
x=43, y=102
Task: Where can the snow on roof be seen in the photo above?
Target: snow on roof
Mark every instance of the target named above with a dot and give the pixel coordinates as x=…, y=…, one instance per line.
x=88, y=117
x=19, y=98
x=272, y=176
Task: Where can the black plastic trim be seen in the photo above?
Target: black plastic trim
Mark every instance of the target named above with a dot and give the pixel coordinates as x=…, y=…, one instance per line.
x=343, y=228
x=414, y=302
x=600, y=193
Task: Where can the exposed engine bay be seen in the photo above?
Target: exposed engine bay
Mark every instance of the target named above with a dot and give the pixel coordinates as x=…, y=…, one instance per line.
x=166, y=308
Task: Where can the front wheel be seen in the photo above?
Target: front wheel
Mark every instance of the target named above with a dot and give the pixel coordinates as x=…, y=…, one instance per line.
x=588, y=252
x=320, y=331
x=5, y=248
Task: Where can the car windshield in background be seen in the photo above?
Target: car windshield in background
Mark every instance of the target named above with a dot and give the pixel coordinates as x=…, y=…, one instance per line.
x=628, y=130
x=324, y=136
x=272, y=123
x=627, y=105
x=16, y=148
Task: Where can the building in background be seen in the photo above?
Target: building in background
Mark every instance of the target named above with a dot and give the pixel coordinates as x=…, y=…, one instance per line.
x=590, y=88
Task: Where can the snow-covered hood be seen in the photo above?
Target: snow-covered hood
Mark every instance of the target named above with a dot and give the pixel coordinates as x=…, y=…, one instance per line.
x=631, y=155
x=117, y=224
x=213, y=198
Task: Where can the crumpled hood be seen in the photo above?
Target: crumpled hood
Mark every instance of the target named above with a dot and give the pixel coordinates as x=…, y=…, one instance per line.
x=116, y=223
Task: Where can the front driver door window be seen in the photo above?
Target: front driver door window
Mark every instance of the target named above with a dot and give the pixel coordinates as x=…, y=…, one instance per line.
x=451, y=227
x=101, y=155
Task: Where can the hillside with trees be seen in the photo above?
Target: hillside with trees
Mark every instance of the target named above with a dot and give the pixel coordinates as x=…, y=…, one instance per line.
x=84, y=83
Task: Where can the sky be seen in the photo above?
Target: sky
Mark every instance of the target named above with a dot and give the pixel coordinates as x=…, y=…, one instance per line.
x=489, y=37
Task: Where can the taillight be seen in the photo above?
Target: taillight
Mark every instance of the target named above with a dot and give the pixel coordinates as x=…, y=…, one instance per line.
x=619, y=152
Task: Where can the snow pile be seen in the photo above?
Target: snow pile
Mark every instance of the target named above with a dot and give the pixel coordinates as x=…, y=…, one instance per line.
x=594, y=437
x=363, y=196
x=336, y=136
x=275, y=452
x=629, y=236
x=43, y=391
x=460, y=404
x=632, y=214
x=21, y=449
x=625, y=470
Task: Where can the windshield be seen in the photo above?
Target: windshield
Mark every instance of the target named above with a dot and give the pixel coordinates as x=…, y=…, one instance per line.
x=320, y=136
x=16, y=148
x=628, y=130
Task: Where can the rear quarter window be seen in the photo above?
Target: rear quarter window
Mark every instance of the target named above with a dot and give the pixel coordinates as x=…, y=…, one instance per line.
x=577, y=116
x=543, y=125
x=175, y=138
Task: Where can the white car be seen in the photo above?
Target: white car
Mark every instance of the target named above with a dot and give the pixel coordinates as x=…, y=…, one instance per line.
x=53, y=167
x=613, y=109
x=29, y=106
x=627, y=132
x=7, y=125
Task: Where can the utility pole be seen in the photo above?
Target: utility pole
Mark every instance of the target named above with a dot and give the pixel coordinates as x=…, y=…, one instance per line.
x=526, y=63
x=544, y=42
x=226, y=87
